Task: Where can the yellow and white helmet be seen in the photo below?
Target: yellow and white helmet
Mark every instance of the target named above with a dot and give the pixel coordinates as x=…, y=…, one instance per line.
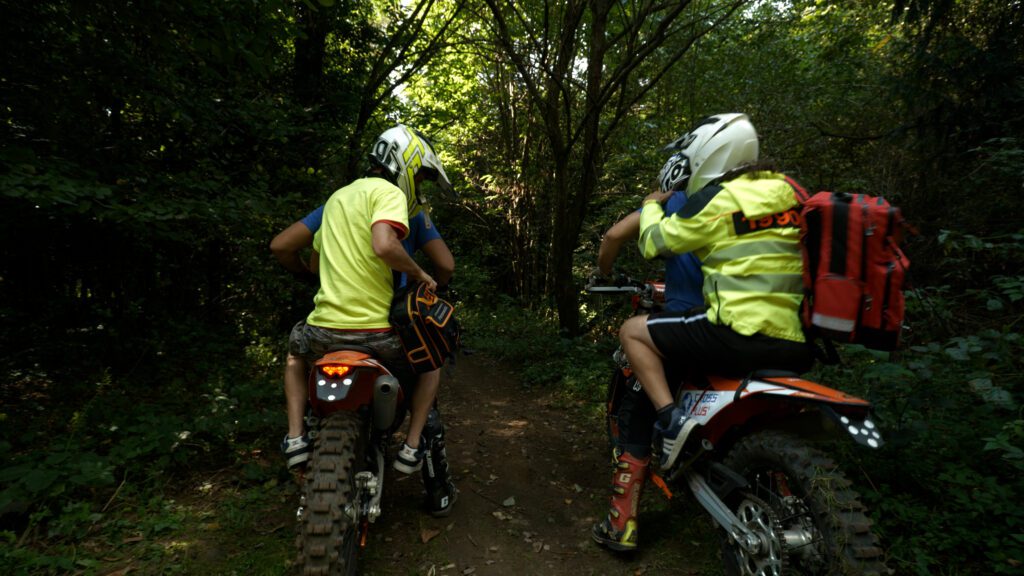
x=402, y=153
x=714, y=146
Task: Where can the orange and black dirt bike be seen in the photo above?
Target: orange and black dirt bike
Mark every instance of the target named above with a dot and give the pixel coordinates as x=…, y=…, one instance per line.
x=355, y=405
x=756, y=458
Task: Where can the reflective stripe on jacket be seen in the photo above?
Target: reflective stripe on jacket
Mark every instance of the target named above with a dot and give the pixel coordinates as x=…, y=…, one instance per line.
x=746, y=233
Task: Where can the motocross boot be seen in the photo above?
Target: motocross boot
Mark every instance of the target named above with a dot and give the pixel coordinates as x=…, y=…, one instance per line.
x=437, y=477
x=296, y=451
x=619, y=529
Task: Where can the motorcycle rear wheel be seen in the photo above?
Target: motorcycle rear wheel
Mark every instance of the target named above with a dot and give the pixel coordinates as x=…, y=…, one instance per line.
x=796, y=490
x=328, y=526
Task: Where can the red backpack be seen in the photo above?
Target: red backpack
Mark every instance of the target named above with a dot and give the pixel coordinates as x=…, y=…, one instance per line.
x=854, y=270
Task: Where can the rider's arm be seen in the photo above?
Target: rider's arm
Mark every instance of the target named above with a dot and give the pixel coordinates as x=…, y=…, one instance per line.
x=441, y=257
x=684, y=231
x=388, y=248
x=287, y=245
x=614, y=238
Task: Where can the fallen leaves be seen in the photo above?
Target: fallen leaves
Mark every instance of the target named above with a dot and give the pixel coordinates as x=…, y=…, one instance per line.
x=428, y=534
x=501, y=515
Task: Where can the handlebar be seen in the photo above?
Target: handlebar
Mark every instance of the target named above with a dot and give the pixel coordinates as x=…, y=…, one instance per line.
x=620, y=285
x=616, y=289
x=647, y=296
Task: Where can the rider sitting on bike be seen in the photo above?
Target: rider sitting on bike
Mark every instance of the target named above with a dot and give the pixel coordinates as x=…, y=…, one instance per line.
x=636, y=414
x=738, y=222
x=354, y=252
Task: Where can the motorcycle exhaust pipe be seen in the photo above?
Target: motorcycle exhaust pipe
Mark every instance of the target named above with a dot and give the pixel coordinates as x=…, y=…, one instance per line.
x=385, y=401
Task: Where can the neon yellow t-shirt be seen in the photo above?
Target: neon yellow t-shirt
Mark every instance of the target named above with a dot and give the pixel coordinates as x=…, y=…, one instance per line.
x=355, y=285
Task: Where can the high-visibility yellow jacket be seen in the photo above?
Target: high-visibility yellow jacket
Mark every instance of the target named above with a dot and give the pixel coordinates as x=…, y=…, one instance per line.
x=746, y=233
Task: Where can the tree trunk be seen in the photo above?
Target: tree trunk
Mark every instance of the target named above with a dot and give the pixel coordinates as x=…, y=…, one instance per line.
x=570, y=214
x=310, y=48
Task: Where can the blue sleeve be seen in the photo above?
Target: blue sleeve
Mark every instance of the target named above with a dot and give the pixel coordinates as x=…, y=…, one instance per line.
x=675, y=203
x=314, y=219
x=421, y=231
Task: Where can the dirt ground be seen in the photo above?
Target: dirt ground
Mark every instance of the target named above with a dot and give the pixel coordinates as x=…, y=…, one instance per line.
x=533, y=472
x=533, y=475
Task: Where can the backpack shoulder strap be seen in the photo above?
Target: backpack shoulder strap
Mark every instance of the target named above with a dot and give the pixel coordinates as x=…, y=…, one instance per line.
x=801, y=194
x=822, y=348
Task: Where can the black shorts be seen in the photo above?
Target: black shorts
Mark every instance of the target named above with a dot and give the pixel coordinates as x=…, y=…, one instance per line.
x=688, y=340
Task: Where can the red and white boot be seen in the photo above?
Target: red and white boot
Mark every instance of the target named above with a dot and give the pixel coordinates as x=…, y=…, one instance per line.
x=618, y=531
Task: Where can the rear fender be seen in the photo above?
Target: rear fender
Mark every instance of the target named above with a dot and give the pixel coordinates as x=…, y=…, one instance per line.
x=350, y=385
x=778, y=400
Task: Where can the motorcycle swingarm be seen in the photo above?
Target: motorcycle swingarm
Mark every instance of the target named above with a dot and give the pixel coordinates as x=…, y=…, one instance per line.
x=368, y=493
x=708, y=498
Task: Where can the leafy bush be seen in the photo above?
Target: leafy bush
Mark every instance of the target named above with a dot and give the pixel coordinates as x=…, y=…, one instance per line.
x=951, y=469
x=530, y=340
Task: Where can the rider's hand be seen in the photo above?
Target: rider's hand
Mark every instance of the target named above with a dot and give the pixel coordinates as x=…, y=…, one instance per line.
x=597, y=279
x=659, y=197
x=428, y=280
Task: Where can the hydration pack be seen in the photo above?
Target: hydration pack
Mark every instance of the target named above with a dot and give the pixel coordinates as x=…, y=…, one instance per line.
x=426, y=325
x=854, y=270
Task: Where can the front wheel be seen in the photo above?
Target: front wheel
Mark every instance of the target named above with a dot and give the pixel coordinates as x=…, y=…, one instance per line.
x=802, y=507
x=613, y=402
x=328, y=522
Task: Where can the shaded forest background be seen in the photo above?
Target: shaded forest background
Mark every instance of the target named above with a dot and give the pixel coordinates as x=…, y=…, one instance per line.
x=150, y=150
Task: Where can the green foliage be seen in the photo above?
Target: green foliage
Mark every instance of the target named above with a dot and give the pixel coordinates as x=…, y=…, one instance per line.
x=132, y=437
x=49, y=477
x=950, y=409
x=1009, y=444
x=502, y=329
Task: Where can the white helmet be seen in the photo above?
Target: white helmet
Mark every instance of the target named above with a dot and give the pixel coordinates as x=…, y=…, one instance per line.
x=403, y=152
x=675, y=173
x=714, y=146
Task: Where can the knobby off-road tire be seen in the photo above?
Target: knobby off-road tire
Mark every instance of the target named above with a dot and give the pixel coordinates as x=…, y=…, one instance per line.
x=327, y=534
x=821, y=501
x=613, y=402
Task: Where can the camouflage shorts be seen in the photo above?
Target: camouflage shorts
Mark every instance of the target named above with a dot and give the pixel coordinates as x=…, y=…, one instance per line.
x=312, y=342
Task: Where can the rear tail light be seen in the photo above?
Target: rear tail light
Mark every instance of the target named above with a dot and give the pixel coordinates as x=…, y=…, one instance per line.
x=335, y=370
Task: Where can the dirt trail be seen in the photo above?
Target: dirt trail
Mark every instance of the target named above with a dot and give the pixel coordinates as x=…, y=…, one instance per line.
x=532, y=478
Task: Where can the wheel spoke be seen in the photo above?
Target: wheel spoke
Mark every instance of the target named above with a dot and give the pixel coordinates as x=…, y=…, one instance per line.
x=810, y=526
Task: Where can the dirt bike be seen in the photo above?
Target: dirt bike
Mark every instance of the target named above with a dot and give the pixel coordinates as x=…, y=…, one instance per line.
x=355, y=405
x=752, y=459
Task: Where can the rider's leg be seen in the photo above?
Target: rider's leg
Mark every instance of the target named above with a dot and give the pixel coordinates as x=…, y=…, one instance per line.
x=410, y=456
x=438, y=484
x=645, y=359
x=422, y=401
x=619, y=530
x=296, y=445
x=295, y=394
x=636, y=422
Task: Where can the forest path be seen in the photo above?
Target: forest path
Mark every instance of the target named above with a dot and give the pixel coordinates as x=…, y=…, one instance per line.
x=533, y=476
